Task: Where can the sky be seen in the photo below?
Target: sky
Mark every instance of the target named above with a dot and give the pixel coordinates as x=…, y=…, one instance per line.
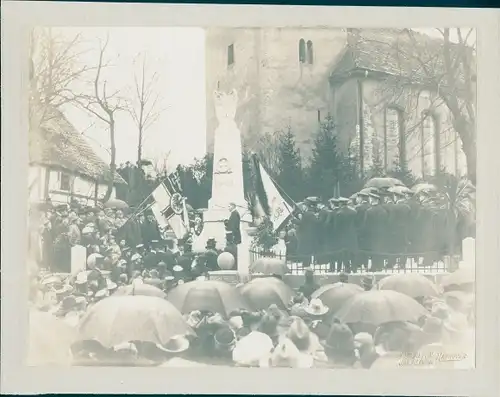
x=177, y=55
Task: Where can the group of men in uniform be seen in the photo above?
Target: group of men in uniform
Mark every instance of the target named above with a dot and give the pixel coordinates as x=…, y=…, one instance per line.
x=385, y=226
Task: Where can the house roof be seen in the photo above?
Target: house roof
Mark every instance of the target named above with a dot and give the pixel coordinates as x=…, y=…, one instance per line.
x=58, y=144
x=392, y=52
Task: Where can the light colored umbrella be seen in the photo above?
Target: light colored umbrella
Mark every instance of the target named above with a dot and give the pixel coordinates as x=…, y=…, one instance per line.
x=461, y=276
x=269, y=266
x=400, y=189
x=335, y=295
x=378, y=307
x=383, y=183
x=424, y=187
x=50, y=340
x=412, y=284
x=263, y=292
x=121, y=319
x=115, y=203
x=140, y=289
x=208, y=295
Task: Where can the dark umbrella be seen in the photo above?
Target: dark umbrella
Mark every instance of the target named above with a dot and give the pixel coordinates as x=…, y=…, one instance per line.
x=383, y=183
x=115, y=203
x=263, y=292
x=335, y=295
x=207, y=295
x=140, y=289
x=122, y=319
x=379, y=307
x=412, y=284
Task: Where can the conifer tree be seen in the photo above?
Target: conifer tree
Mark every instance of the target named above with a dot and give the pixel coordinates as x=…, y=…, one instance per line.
x=290, y=177
x=326, y=164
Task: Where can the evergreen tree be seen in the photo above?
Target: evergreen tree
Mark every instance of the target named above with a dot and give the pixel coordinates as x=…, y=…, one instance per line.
x=290, y=177
x=326, y=165
x=351, y=180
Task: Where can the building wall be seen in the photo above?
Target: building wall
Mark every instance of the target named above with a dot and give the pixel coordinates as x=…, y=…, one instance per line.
x=281, y=91
x=82, y=189
x=412, y=104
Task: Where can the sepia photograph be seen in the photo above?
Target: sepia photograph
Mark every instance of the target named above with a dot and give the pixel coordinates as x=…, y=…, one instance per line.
x=251, y=197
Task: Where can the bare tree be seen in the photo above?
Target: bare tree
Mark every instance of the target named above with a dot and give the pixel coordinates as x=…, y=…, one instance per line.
x=143, y=108
x=268, y=151
x=54, y=68
x=103, y=105
x=440, y=67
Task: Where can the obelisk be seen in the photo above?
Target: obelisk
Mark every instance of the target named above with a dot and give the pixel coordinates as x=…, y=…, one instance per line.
x=227, y=181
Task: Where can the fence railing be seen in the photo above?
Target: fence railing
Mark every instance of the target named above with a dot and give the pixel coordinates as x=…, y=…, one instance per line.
x=363, y=262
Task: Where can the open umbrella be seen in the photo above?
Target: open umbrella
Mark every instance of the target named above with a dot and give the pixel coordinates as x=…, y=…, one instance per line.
x=412, y=284
x=140, y=289
x=263, y=292
x=383, y=183
x=50, y=340
x=400, y=189
x=210, y=295
x=269, y=266
x=464, y=275
x=116, y=203
x=379, y=307
x=122, y=319
x=335, y=295
x=423, y=187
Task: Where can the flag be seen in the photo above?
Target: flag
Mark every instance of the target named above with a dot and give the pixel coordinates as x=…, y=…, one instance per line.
x=169, y=210
x=270, y=199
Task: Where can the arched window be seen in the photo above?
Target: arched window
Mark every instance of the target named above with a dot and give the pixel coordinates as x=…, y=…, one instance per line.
x=394, y=139
x=430, y=145
x=310, y=54
x=302, y=51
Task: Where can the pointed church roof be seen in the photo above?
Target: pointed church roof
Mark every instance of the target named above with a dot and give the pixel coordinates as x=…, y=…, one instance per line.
x=392, y=52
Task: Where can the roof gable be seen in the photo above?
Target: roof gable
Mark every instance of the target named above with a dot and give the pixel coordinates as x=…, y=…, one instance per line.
x=57, y=143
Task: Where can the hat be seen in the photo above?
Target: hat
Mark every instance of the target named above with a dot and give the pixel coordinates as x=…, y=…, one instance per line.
x=252, y=348
x=343, y=200
x=161, y=264
x=80, y=301
x=316, y=308
x=103, y=293
x=123, y=278
x=176, y=344
x=87, y=230
x=121, y=262
x=139, y=246
x=110, y=285
x=136, y=257
x=225, y=337
x=269, y=325
x=65, y=290
x=299, y=334
x=373, y=195
x=286, y=354
x=363, y=339
x=235, y=322
x=333, y=200
x=340, y=337
x=177, y=268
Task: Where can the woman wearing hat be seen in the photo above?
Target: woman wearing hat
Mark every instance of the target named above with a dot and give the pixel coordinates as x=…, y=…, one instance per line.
x=318, y=318
x=339, y=346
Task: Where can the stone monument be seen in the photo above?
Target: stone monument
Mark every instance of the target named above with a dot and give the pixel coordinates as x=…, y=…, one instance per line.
x=227, y=182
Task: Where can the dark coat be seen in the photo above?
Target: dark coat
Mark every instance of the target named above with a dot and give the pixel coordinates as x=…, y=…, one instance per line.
x=401, y=221
x=167, y=257
x=360, y=223
x=376, y=227
x=233, y=225
x=346, y=224
x=307, y=233
x=150, y=232
x=150, y=260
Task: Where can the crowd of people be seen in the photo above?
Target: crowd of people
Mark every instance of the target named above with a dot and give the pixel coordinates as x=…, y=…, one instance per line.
x=125, y=245
x=387, y=226
x=304, y=334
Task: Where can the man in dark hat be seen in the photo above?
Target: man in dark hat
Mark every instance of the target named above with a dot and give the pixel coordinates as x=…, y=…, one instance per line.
x=165, y=254
x=346, y=223
x=211, y=254
x=376, y=227
x=150, y=259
